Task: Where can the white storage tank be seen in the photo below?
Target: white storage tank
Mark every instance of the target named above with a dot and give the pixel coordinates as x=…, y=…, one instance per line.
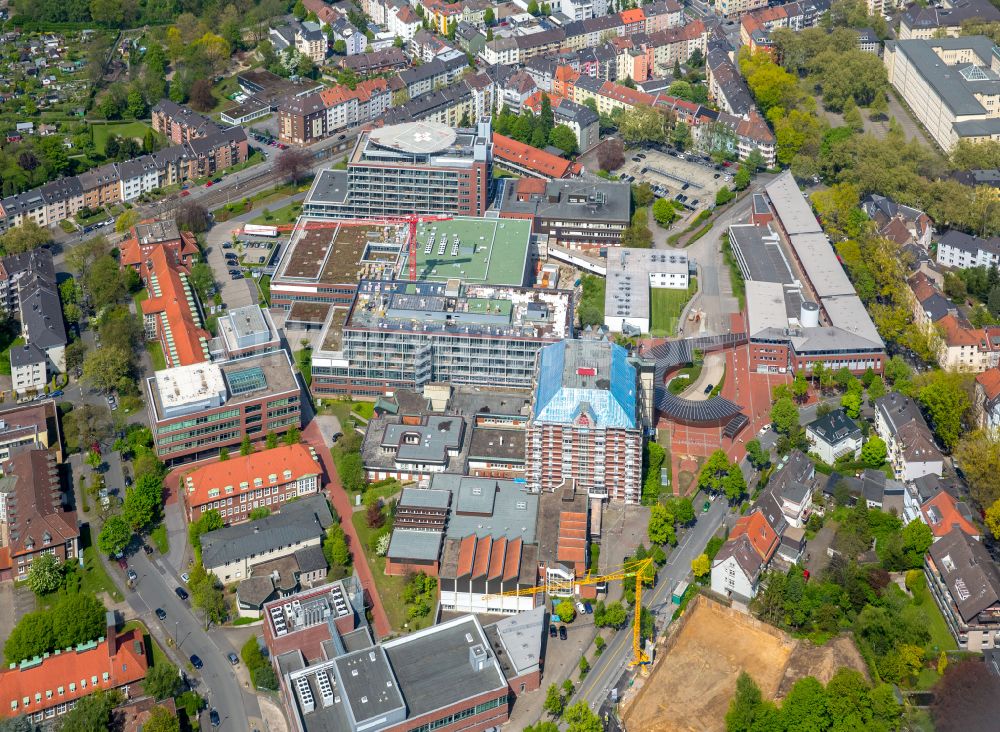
x=809, y=314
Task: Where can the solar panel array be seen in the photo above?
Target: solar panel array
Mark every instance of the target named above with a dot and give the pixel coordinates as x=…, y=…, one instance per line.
x=672, y=354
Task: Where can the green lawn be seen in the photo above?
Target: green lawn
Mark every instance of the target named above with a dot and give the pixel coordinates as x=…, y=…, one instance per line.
x=683, y=379
x=284, y=215
x=666, y=306
x=5, y=355
x=161, y=539
x=264, y=285
x=95, y=578
x=941, y=637
x=390, y=589
x=365, y=410
x=159, y=656
x=222, y=91
x=67, y=226
x=124, y=129
x=155, y=351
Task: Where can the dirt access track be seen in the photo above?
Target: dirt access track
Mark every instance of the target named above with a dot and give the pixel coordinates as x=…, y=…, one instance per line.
x=694, y=678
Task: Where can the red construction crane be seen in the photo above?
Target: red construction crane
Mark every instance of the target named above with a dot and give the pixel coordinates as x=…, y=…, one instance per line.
x=411, y=221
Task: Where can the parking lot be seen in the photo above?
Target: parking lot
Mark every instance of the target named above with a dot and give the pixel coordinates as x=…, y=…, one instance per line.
x=696, y=180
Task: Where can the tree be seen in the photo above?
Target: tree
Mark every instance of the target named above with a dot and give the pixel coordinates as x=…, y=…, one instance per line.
x=757, y=456
x=946, y=399
x=374, y=517
x=45, y=575
x=681, y=136
x=259, y=513
x=91, y=712
x=873, y=452
x=104, y=282
x=106, y=368
x=161, y=719
x=744, y=705
x=992, y=518
x=978, y=455
x=734, y=485
x=566, y=611
x=579, y=716
x=805, y=706
x=713, y=471
x=851, y=402
x=966, y=698
x=917, y=539
x=611, y=155
x=292, y=164
x=564, y=138
x=192, y=217
x=643, y=123
x=207, y=595
x=489, y=17
x=852, y=118
x=661, y=525
x=553, y=701
x=723, y=196
x=613, y=616
x=115, y=536
x=742, y=178
x=246, y=447
x=24, y=238
x=143, y=502
x=335, y=547
x=210, y=520
x=664, y=213
x=683, y=510
x=784, y=416
x=701, y=565
x=163, y=681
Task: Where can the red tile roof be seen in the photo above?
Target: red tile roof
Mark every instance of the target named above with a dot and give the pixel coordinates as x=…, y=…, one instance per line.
x=131, y=249
x=762, y=537
x=635, y=15
x=466, y=555
x=990, y=381
x=512, y=562
x=175, y=299
x=497, y=559
x=40, y=682
x=539, y=161
x=363, y=92
x=286, y=463
x=942, y=515
x=572, y=543
x=956, y=334
x=482, y=562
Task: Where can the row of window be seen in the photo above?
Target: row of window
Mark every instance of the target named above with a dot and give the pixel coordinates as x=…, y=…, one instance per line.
x=464, y=714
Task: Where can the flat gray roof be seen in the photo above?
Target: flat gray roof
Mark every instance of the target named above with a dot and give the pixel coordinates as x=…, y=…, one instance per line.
x=500, y=508
x=433, y=666
x=415, y=544
x=765, y=306
x=368, y=684
x=760, y=253
x=424, y=498
x=790, y=205
x=957, y=85
x=849, y=313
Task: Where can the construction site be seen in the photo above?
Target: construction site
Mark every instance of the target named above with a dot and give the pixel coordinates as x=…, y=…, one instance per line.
x=694, y=675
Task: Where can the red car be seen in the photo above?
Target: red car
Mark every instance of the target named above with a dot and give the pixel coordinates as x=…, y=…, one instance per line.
x=185, y=193
x=209, y=184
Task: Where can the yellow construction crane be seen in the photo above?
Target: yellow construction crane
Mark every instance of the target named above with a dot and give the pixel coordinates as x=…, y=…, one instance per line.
x=557, y=588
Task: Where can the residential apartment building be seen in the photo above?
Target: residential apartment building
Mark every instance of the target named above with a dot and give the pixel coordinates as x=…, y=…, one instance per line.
x=585, y=423
x=572, y=214
x=230, y=553
x=756, y=26
x=986, y=401
x=583, y=9
x=196, y=410
x=399, y=334
x=43, y=689
x=911, y=448
x=833, y=436
x=32, y=425
x=302, y=120
x=934, y=20
x=179, y=124
x=398, y=170
x=964, y=348
x=305, y=37
x=346, y=107
x=532, y=162
x=962, y=251
x=951, y=84
x=34, y=518
x=965, y=583
x=902, y=224
x=205, y=151
x=736, y=8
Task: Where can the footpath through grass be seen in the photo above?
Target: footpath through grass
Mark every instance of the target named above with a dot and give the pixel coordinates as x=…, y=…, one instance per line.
x=390, y=589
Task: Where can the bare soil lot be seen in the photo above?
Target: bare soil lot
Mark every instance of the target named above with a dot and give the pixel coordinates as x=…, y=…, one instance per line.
x=690, y=687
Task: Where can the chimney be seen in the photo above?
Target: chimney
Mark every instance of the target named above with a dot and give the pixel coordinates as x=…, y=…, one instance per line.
x=112, y=634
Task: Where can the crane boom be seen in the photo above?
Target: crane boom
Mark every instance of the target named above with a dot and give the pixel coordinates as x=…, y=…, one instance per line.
x=630, y=569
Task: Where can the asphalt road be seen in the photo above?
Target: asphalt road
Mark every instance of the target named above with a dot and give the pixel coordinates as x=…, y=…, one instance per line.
x=216, y=681
x=607, y=668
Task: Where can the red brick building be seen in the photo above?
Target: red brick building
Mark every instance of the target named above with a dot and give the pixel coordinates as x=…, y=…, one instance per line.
x=33, y=517
x=179, y=123
x=170, y=314
x=262, y=479
x=144, y=238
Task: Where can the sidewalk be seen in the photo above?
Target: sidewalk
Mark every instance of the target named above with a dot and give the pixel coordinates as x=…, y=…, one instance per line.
x=342, y=503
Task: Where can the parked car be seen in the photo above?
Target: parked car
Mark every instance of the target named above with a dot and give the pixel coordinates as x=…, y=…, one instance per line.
x=581, y=608
x=147, y=549
x=196, y=662
x=56, y=394
x=132, y=575
x=122, y=563
x=161, y=614
x=213, y=717
x=210, y=184
x=185, y=577
x=217, y=179
x=552, y=631
x=233, y=658
x=562, y=632
x=226, y=245
x=185, y=193
x=708, y=388
x=128, y=481
x=181, y=593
